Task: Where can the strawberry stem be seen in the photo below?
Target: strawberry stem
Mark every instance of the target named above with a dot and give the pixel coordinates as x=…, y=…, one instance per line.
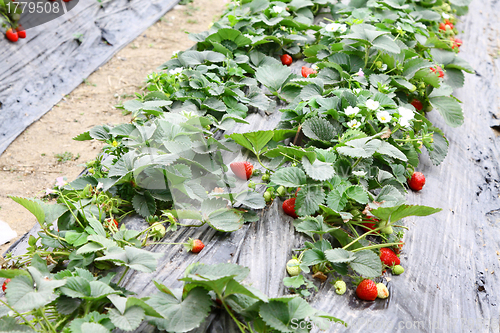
x=376, y=246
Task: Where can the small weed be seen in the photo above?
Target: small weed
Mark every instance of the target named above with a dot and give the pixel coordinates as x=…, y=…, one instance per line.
x=88, y=83
x=66, y=156
x=185, y=2
x=190, y=10
x=133, y=46
x=192, y=21
x=78, y=37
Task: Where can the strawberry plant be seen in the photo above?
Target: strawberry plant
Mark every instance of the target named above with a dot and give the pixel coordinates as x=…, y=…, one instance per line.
x=352, y=125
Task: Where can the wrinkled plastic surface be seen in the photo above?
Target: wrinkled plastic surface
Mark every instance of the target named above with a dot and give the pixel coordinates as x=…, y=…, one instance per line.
x=451, y=259
x=35, y=73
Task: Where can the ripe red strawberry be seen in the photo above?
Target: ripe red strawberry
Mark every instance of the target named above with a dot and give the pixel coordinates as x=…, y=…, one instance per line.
x=289, y=207
x=306, y=71
x=388, y=257
x=286, y=59
x=12, y=35
x=457, y=42
x=21, y=32
x=417, y=104
x=397, y=249
x=367, y=290
x=438, y=70
x=4, y=286
x=370, y=222
x=115, y=222
x=242, y=170
x=417, y=181
x=447, y=25
x=194, y=245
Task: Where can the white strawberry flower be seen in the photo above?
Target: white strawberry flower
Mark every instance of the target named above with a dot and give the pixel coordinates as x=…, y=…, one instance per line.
x=360, y=173
x=175, y=53
x=342, y=28
x=332, y=27
x=176, y=71
x=315, y=67
x=384, y=117
x=357, y=90
x=404, y=122
x=360, y=73
x=445, y=15
x=277, y=9
x=351, y=110
x=353, y=123
x=372, y=105
x=406, y=113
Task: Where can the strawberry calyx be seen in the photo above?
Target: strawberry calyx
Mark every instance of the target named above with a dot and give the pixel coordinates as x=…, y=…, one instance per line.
x=194, y=245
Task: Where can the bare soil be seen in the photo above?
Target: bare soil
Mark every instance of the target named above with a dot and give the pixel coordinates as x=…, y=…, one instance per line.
x=46, y=150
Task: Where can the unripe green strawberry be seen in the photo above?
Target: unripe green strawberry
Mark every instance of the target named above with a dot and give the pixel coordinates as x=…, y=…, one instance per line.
x=158, y=231
x=266, y=177
x=251, y=184
x=292, y=267
x=387, y=230
x=267, y=196
x=397, y=270
x=382, y=291
x=281, y=191
x=340, y=287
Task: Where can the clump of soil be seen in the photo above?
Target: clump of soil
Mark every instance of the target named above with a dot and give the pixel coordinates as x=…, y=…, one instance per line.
x=46, y=150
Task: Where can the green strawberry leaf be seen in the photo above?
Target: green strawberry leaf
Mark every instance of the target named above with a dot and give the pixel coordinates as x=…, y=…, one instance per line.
x=10, y=325
x=23, y=296
x=318, y=170
x=289, y=177
x=34, y=208
x=94, y=328
x=226, y=220
x=251, y=199
x=387, y=149
x=85, y=136
x=449, y=108
x=338, y=255
x=396, y=213
x=308, y=200
x=440, y=148
x=360, y=148
x=273, y=77
x=253, y=141
x=366, y=263
x=319, y=129
x=357, y=193
x=144, y=205
x=128, y=320
x=78, y=287
x=181, y=315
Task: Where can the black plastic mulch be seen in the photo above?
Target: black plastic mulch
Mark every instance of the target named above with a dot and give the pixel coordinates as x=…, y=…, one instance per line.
x=35, y=73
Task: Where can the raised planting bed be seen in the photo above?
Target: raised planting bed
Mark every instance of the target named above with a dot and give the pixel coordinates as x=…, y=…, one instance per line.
x=230, y=99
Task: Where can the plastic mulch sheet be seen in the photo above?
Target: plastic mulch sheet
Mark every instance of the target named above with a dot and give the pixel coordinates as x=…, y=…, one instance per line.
x=37, y=72
x=451, y=283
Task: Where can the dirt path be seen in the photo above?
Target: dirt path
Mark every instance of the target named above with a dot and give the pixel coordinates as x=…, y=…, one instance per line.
x=46, y=150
